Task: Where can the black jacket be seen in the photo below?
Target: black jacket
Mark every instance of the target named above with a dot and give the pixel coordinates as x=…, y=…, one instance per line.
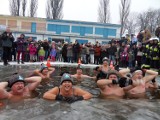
x=7, y=39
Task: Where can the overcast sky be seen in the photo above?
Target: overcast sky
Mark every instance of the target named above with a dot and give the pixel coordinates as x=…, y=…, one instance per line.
x=86, y=10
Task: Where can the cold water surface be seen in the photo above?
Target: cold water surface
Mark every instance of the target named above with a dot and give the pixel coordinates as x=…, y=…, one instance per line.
x=93, y=109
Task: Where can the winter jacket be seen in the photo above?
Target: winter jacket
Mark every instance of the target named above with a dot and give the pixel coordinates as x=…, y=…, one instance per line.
x=21, y=44
x=41, y=52
x=7, y=41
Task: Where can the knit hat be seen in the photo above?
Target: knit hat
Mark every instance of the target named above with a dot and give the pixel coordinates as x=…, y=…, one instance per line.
x=66, y=77
x=105, y=59
x=136, y=70
x=15, y=78
x=43, y=66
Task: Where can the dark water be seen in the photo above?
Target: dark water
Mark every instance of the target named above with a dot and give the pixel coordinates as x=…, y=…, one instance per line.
x=93, y=109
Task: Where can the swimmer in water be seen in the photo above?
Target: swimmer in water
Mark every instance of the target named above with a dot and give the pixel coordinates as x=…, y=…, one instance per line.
x=138, y=88
x=20, y=88
x=66, y=91
x=110, y=87
x=99, y=73
x=105, y=66
x=45, y=73
x=79, y=76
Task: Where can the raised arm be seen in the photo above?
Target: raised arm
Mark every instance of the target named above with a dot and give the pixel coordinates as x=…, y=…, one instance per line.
x=37, y=72
x=103, y=82
x=3, y=93
x=150, y=75
x=51, y=70
x=123, y=72
x=33, y=82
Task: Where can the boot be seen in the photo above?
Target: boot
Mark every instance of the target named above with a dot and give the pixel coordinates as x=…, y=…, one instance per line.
x=22, y=62
x=18, y=62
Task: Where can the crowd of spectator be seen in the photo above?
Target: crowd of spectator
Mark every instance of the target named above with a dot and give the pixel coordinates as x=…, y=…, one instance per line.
x=129, y=51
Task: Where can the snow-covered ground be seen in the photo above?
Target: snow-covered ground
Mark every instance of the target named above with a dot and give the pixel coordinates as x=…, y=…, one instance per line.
x=52, y=64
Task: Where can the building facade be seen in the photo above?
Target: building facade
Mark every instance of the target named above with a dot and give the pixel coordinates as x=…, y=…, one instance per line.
x=61, y=30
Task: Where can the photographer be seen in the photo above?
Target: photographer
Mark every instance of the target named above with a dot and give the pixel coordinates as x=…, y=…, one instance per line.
x=7, y=41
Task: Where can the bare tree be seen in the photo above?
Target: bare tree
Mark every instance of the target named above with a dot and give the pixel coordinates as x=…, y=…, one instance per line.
x=149, y=20
x=142, y=20
x=54, y=9
x=24, y=4
x=33, y=8
x=48, y=13
x=131, y=23
x=124, y=12
x=152, y=22
x=158, y=17
x=15, y=7
x=104, y=11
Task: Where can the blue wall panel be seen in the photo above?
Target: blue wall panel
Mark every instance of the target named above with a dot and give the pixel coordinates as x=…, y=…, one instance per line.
x=33, y=27
x=58, y=29
x=82, y=31
x=99, y=31
x=75, y=29
x=80, y=41
x=85, y=23
x=65, y=28
x=89, y=30
x=51, y=27
x=105, y=33
x=112, y=32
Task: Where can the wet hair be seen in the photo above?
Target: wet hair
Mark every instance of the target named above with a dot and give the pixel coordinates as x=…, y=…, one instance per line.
x=113, y=72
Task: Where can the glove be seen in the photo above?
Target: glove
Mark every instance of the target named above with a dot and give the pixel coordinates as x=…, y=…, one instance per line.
x=115, y=82
x=73, y=99
x=153, y=80
x=59, y=97
x=122, y=81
